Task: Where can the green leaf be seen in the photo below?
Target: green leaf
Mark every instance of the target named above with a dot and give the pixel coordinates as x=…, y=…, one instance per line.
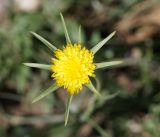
x=52, y=88
x=101, y=131
x=100, y=44
x=37, y=65
x=65, y=29
x=44, y=41
x=108, y=64
x=79, y=35
x=98, y=83
x=69, y=100
x=92, y=88
x=107, y=98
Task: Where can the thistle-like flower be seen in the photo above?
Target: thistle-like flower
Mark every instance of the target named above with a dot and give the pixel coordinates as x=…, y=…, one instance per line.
x=72, y=66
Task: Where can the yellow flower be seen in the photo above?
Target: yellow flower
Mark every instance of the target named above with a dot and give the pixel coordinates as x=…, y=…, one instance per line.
x=72, y=67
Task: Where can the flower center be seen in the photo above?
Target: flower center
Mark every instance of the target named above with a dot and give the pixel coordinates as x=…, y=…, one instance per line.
x=72, y=67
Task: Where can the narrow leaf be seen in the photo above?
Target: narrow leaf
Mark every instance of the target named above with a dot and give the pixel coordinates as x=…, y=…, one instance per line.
x=46, y=92
x=79, y=35
x=67, y=108
x=107, y=98
x=44, y=41
x=65, y=29
x=108, y=64
x=98, y=83
x=100, y=44
x=92, y=88
x=37, y=65
x=101, y=131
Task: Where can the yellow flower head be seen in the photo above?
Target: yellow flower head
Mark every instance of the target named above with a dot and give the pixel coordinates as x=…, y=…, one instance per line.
x=72, y=67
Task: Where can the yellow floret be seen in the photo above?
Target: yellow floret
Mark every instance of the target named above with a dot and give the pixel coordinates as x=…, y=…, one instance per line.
x=72, y=67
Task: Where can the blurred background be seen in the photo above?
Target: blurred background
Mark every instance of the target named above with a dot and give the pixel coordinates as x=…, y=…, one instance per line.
x=130, y=106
